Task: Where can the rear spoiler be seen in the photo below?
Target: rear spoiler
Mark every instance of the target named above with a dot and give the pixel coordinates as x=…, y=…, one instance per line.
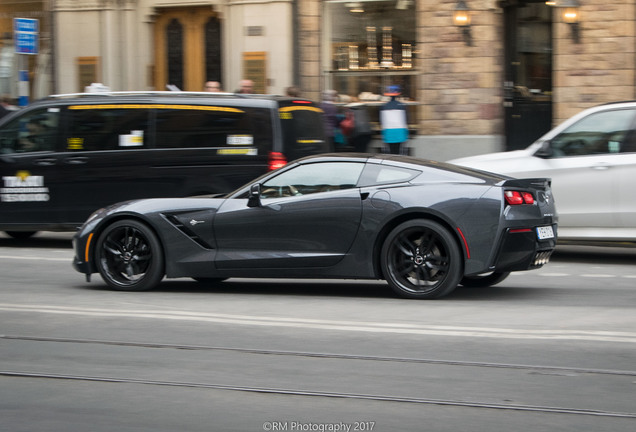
x=532, y=183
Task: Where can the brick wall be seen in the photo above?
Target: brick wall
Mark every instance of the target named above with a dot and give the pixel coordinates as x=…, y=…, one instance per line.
x=461, y=87
x=601, y=67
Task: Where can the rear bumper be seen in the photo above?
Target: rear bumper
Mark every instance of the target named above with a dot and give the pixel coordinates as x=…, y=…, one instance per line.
x=522, y=250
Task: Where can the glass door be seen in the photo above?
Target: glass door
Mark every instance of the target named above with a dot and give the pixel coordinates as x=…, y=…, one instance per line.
x=528, y=74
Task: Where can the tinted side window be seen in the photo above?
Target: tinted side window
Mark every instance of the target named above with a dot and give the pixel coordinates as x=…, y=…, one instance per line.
x=36, y=130
x=599, y=133
x=107, y=127
x=303, y=130
x=377, y=174
x=231, y=130
x=313, y=178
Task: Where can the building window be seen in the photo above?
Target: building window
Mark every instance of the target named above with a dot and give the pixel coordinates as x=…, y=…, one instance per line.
x=175, y=53
x=213, y=58
x=370, y=44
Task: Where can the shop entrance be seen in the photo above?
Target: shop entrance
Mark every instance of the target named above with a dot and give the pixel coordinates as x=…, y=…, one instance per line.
x=528, y=73
x=187, y=48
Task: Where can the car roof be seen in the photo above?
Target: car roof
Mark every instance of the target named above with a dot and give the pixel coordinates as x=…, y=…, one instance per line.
x=399, y=160
x=255, y=100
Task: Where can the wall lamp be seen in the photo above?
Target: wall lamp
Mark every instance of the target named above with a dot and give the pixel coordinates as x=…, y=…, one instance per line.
x=355, y=7
x=461, y=18
x=570, y=15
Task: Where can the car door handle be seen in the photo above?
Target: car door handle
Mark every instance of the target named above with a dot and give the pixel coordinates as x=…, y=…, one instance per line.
x=76, y=160
x=601, y=166
x=45, y=161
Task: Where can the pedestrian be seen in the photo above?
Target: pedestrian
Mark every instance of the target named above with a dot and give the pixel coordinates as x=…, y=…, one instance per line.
x=330, y=116
x=395, y=131
x=246, y=86
x=292, y=91
x=212, y=86
x=5, y=106
x=362, y=132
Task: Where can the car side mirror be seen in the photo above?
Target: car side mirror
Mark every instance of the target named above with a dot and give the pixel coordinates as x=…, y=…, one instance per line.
x=545, y=151
x=254, y=197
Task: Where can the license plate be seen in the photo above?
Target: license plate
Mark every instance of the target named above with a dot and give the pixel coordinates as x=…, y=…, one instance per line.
x=545, y=232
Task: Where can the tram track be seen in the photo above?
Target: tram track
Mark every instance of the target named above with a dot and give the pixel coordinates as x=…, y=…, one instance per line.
x=338, y=395
x=335, y=356
x=303, y=392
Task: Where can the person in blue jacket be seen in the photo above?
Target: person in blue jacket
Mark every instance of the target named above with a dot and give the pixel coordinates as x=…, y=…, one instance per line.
x=395, y=131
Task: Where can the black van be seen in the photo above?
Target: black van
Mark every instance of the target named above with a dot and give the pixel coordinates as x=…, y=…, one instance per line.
x=65, y=156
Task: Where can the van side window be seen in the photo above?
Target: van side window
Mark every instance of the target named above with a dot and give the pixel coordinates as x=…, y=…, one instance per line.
x=233, y=128
x=31, y=132
x=98, y=127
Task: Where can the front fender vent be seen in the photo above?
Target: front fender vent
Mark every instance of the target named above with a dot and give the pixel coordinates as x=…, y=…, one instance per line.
x=177, y=223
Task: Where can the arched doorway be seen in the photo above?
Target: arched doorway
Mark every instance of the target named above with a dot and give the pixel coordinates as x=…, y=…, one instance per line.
x=528, y=71
x=187, y=48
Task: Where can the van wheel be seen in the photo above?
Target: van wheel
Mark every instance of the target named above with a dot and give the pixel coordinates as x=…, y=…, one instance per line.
x=21, y=235
x=420, y=259
x=129, y=256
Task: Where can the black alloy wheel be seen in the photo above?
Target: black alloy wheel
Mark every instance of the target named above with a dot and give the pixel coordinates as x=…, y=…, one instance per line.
x=421, y=260
x=129, y=256
x=483, y=280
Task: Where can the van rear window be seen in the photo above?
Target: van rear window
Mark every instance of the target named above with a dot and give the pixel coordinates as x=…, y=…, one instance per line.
x=232, y=128
x=303, y=129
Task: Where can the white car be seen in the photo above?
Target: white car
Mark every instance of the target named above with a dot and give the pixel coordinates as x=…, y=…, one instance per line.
x=591, y=159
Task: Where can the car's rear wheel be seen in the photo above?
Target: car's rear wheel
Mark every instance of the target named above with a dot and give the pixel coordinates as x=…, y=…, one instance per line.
x=129, y=256
x=420, y=259
x=483, y=280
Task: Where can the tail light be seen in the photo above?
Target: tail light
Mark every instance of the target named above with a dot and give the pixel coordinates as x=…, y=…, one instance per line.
x=518, y=197
x=276, y=160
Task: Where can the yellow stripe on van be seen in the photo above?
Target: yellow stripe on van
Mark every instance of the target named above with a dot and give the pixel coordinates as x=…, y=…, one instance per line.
x=237, y=151
x=158, y=106
x=300, y=108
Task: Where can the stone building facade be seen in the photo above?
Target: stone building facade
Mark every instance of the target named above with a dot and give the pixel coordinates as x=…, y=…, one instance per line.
x=517, y=71
x=463, y=91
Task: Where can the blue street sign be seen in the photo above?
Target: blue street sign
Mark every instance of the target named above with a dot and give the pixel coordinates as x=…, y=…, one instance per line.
x=26, y=38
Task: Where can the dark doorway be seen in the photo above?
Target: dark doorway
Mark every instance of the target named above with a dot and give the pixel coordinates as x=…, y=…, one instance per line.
x=528, y=74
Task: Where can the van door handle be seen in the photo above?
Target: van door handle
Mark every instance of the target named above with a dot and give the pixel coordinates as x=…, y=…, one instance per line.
x=76, y=160
x=45, y=161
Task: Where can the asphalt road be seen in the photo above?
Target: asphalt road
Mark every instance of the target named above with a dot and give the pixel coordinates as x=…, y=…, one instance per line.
x=547, y=350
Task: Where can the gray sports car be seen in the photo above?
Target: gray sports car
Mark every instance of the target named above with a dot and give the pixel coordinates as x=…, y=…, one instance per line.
x=423, y=226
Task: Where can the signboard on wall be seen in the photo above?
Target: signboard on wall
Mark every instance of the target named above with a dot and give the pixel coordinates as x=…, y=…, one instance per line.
x=26, y=35
x=254, y=68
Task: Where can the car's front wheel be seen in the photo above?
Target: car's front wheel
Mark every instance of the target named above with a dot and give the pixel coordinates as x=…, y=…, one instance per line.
x=129, y=256
x=421, y=259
